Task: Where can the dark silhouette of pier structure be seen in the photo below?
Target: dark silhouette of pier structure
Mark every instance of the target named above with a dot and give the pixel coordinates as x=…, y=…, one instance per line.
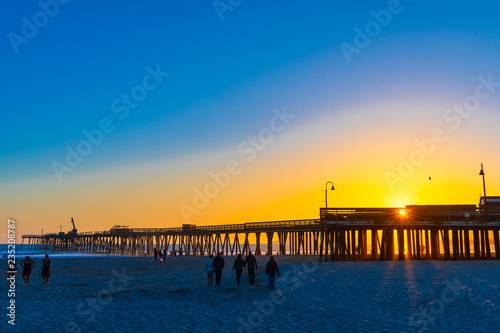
x=449, y=232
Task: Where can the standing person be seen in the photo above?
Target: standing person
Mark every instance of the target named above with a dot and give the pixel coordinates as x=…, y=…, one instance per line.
x=271, y=270
x=27, y=265
x=156, y=254
x=218, y=265
x=252, y=266
x=165, y=256
x=238, y=265
x=46, y=270
x=209, y=267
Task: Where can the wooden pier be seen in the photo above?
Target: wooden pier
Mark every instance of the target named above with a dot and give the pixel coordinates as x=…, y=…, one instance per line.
x=449, y=232
x=294, y=236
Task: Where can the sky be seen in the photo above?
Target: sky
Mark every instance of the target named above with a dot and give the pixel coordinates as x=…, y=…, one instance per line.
x=160, y=113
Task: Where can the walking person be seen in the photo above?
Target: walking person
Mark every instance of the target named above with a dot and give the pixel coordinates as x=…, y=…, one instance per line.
x=238, y=265
x=218, y=265
x=252, y=266
x=209, y=267
x=27, y=265
x=156, y=254
x=271, y=270
x=46, y=270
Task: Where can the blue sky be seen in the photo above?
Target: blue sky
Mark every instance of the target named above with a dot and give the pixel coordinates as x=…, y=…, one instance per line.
x=226, y=76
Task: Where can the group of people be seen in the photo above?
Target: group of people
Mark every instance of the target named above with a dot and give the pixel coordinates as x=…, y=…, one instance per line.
x=161, y=256
x=28, y=264
x=215, y=265
x=212, y=265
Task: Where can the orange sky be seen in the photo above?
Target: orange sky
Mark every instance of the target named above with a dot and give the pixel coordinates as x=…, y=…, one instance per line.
x=286, y=180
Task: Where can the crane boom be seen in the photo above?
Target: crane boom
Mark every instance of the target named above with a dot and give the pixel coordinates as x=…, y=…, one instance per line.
x=74, y=227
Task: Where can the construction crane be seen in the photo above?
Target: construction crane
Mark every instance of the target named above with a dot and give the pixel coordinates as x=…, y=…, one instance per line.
x=74, y=230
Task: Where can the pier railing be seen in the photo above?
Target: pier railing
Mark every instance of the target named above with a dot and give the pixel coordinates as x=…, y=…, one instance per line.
x=410, y=214
x=311, y=224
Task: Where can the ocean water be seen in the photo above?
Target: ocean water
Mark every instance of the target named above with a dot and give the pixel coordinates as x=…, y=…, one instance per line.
x=40, y=253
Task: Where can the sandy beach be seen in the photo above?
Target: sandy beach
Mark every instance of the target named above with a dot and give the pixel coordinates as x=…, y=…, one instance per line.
x=125, y=294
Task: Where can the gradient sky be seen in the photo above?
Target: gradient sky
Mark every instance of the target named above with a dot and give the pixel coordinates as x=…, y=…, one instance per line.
x=353, y=122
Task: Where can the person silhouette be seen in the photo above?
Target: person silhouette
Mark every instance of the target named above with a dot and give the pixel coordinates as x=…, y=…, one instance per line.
x=271, y=270
x=238, y=265
x=27, y=265
x=218, y=265
x=209, y=267
x=46, y=270
x=251, y=263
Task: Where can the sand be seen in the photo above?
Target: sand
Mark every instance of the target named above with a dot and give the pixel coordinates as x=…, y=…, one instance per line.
x=122, y=294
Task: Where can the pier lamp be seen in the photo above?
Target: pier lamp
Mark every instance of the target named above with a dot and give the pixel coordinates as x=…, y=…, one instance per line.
x=481, y=173
x=322, y=237
x=326, y=193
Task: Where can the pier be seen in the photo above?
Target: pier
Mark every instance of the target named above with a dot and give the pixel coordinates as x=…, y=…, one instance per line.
x=448, y=232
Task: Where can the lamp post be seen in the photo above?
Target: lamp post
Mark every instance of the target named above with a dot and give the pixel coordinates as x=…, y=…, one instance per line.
x=326, y=193
x=481, y=173
x=323, y=231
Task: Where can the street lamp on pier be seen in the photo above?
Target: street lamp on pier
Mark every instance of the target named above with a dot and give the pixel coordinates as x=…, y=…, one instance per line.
x=326, y=193
x=323, y=231
x=481, y=173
